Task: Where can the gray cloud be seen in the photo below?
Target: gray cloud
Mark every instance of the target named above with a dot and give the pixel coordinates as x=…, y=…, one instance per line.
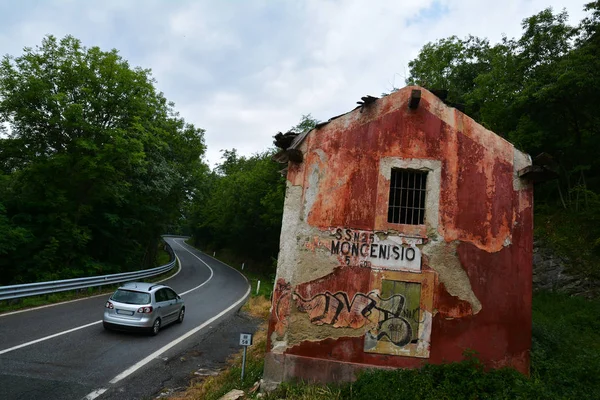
x=247, y=69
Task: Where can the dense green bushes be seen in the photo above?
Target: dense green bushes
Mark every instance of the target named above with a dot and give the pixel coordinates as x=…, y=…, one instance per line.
x=242, y=209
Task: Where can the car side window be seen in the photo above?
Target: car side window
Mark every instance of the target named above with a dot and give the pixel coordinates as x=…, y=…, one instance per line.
x=171, y=295
x=160, y=295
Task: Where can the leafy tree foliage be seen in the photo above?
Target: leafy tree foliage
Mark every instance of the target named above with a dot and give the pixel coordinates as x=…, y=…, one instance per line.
x=240, y=206
x=94, y=163
x=244, y=206
x=307, y=122
x=540, y=91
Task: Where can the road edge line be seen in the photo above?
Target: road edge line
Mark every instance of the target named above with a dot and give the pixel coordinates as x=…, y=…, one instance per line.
x=180, y=339
x=47, y=337
x=216, y=259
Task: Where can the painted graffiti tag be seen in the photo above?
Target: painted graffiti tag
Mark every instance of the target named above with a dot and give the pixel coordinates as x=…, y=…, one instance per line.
x=281, y=303
x=338, y=310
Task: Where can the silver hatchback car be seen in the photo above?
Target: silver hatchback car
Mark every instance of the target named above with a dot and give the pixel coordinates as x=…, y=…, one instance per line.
x=146, y=306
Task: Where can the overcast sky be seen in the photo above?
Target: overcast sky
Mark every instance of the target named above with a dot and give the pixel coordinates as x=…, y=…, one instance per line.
x=244, y=70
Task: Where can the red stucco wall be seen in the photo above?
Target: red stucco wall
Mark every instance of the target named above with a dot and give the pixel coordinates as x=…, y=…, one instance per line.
x=484, y=226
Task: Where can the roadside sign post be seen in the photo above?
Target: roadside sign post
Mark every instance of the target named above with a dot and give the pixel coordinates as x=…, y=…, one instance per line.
x=245, y=340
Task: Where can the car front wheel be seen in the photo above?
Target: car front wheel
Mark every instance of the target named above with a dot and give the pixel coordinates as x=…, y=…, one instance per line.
x=181, y=315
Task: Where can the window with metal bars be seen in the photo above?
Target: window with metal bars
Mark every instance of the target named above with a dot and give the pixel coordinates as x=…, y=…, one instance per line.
x=407, y=197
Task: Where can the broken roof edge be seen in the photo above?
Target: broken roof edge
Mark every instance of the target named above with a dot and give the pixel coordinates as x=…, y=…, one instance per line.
x=300, y=138
x=400, y=92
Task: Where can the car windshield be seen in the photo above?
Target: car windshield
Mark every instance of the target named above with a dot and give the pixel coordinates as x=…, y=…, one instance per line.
x=131, y=297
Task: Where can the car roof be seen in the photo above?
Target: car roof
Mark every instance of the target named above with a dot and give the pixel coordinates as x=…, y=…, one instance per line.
x=142, y=286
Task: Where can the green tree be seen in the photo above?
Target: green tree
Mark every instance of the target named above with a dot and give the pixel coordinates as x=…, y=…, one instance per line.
x=307, y=122
x=244, y=208
x=540, y=91
x=240, y=206
x=450, y=64
x=97, y=162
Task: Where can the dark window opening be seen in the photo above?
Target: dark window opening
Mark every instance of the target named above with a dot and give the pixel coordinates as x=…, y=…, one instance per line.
x=407, y=197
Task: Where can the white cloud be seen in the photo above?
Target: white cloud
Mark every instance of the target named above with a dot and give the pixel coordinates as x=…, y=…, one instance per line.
x=247, y=69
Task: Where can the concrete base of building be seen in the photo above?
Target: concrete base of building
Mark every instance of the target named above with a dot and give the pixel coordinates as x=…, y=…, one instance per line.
x=285, y=368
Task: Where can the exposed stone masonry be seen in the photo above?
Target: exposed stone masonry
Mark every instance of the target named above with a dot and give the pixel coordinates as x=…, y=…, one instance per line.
x=549, y=273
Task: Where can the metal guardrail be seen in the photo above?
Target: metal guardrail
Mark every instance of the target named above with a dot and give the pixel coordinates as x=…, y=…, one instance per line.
x=38, y=288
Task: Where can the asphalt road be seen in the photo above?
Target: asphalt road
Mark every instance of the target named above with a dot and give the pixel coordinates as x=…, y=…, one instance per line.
x=62, y=351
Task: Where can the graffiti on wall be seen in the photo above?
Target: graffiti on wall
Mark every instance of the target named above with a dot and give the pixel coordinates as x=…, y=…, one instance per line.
x=391, y=310
x=394, y=319
x=281, y=305
x=398, y=328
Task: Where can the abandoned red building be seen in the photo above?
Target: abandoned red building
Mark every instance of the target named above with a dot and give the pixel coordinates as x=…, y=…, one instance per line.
x=406, y=238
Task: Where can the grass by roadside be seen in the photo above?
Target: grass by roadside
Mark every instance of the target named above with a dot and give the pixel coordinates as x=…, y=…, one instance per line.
x=565, y=364
x=212, y=388
x=52, y=298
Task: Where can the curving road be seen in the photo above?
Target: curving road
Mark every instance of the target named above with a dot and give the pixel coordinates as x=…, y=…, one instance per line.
x=62, y=351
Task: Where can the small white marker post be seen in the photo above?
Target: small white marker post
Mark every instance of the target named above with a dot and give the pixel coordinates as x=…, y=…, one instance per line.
x=243, y=266
x=257, y=287
x=245, y=340
x=214, y=252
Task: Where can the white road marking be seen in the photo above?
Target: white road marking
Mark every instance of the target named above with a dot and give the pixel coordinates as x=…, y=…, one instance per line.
x=229, y=266
x=79, y=327
x=50, y=305
x=175, y=274
x=158, y=352
x=48, y=337
x=94, y=394
x=211, y=270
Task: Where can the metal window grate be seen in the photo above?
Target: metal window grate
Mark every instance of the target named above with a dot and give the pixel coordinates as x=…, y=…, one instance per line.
x=407, y=197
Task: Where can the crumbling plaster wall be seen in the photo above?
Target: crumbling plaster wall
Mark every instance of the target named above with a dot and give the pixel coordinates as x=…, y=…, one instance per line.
x=478, y=226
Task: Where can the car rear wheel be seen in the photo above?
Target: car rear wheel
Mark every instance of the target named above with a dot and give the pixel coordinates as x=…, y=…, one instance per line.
x=155, y=327
x=105, y=325
x=181, y=315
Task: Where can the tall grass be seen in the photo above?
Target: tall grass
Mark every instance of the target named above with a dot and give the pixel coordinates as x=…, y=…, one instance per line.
x=565, y=356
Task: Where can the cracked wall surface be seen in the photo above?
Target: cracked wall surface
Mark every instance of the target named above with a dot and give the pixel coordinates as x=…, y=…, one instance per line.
x=355, y=288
